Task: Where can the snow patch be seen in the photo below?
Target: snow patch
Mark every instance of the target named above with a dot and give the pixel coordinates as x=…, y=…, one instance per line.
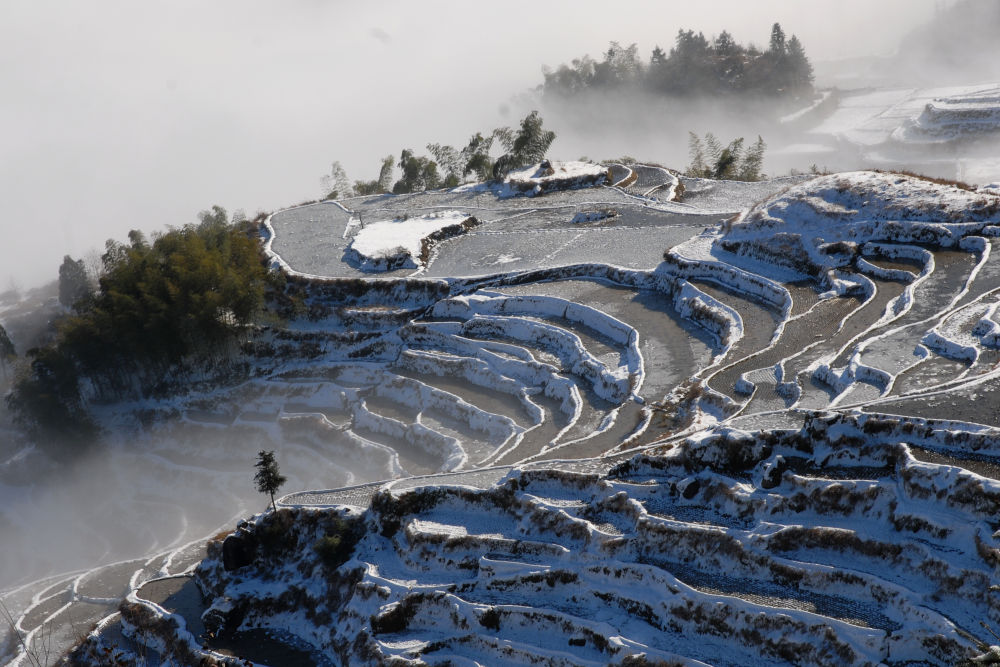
x=399, y=243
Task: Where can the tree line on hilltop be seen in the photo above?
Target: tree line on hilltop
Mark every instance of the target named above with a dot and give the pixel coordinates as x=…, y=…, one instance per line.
x=187, y=295
x=447, y=166
x=695, y=66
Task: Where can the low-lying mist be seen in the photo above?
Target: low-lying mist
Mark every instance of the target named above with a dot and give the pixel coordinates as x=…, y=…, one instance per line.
x=72, y=511
x=957, y=46
x=657, y=129
x=64, y=510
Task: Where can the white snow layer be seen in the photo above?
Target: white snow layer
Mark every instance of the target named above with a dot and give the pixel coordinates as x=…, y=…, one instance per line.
x=826, y=545
x=398, y=243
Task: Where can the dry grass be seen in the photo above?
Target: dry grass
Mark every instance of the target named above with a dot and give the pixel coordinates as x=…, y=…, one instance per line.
x=220, y=536
x=628, y=180
x=961, y=185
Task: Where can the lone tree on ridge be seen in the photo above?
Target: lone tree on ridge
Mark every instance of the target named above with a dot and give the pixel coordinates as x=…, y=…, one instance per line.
x=269, y=479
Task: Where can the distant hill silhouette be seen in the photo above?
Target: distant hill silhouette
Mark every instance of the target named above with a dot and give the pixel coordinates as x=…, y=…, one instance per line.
x=695, y=67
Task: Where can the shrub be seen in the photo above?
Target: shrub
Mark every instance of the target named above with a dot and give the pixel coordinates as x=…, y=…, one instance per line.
x=328, y=548
x=335, y=547
x=490, y=619
x=275, y=533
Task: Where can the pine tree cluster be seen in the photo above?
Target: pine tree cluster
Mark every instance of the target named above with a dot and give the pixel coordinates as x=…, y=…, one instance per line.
x=695, y=66
x=188, y=295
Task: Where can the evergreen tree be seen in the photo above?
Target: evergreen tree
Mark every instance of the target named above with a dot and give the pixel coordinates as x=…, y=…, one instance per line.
x=527, y=146
x=215, y=220
x=658, y=57
x=729, y=63
x=710, y=159
x=385, y=174
x=477, y=156
x=698, y=167
x=7, y=351
x=777, y=44
x=753, y=160
x=451, y=161
x=724, y=45
x=620, y=67
x=695, y=66
x=185, y=298
x=429, y=175
x=726, y=166
x=74, y=285
x=138, y=240
x=799, y=71
x=689, y=68
x=190, y=292
x=268, y=478
x=713, y=151
x=410, y=165
x=48, y=405
x=532, y=142
x=114, y=255
x=568, y=81
x=419, y=173
x=366, y=188
x=336, y=185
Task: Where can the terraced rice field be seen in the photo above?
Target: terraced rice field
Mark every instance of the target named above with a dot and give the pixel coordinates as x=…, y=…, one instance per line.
x=620, y=454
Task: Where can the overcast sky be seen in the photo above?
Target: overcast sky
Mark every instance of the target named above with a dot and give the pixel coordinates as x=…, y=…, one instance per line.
x=120, y=115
